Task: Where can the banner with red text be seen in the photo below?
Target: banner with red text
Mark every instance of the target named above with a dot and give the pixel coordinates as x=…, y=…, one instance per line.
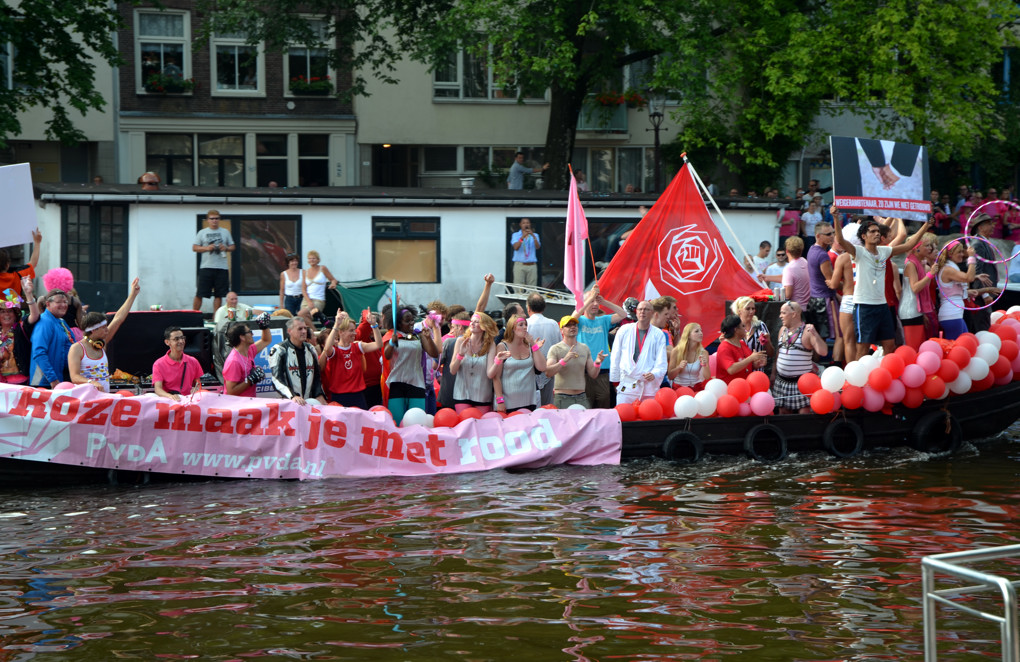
x=226, y=436
x=880, y=177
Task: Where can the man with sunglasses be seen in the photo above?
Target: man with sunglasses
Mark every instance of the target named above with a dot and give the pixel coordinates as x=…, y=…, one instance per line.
x=213, y=243
x=872, y=316
x=822, y=310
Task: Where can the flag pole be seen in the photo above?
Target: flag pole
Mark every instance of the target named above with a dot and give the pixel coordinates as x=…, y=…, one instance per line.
x=591, y=254
x=701, y=186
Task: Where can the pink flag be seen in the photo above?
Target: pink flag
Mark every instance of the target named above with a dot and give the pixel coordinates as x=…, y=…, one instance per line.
x=573, y=246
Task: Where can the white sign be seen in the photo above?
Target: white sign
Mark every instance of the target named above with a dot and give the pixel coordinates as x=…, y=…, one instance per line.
x=19, y=205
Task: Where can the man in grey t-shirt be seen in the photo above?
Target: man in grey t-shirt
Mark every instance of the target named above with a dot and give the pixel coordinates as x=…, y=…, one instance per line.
x=515, y=178
x=213, y=242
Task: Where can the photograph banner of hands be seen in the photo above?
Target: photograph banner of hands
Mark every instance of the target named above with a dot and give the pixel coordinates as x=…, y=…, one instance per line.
x=225, y=436
x=880, y=177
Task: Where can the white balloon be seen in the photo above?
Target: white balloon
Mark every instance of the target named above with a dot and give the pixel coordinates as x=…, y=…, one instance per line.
x=997, y=315
x=706, y=402
x=961, y=384
x=856, y=374
x=577, y=406
x=945, y=394
x=833, y=378
x=414, y=416
x=977, y=369
x=1013, y=309
x=686, y=406
x=429, y=420
x=869, y=361
x=990, y=338
x=988, y=352
x=716, y=387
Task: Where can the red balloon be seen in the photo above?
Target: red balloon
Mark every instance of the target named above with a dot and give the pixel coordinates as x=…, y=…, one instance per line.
x=913, y=398
x=822, y=401
x=948, y=370
x=933, y=387
x=649, y=410
x=758, y=381
x=808, y=383
x=960, y=356
x=125, y=393
x=879, y=379
x=666, y=397
x=470, y=412
x=983, y=384
x=893, y=363
x=519, y=412
x=727, y=406
x=684, y=390
x=626, y=412
x=445, y=418
x=969, y=342
x=740, y=389
x=1005, y=331
x=907, y=353
x=1001, y=367
x=548, y=406
x=853, y=396
x=1009, y=349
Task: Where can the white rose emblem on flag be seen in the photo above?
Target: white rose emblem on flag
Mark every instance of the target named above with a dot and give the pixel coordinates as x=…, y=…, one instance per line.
x=689, y=259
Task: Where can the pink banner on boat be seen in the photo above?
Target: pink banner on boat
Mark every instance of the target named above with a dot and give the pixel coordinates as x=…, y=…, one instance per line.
x=220, y=435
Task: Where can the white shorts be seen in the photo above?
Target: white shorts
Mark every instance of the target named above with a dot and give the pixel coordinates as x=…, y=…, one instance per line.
x=847, y=304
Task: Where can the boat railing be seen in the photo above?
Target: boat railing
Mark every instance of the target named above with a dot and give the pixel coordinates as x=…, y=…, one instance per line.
x=957, y=565
x=518, y=289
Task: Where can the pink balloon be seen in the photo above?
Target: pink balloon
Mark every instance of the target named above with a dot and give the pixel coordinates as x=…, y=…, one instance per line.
x=930, y=346
x=894, y=394
x=929, y=362
x=491, y=414
x=762, y=403
x=1005, y=379
x=63, y=386
x=835, y=401
x=712, y=360
x=1016, y=364
x=873, y=400
x=745, y=408
x=913, y=375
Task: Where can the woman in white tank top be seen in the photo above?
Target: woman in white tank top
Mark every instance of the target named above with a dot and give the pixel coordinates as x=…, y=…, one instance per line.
x=316, y=278
x=86, y=360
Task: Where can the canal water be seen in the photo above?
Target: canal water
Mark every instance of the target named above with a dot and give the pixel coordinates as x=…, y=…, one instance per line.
x=808, y=559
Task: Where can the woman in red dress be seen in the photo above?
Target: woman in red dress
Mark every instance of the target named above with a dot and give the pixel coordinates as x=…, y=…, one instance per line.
x=734, y=358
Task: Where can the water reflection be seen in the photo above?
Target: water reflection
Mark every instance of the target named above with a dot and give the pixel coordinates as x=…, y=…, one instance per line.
x=808, y=559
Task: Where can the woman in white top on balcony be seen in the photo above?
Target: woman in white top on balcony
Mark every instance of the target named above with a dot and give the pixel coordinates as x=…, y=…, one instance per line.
x=316, y=279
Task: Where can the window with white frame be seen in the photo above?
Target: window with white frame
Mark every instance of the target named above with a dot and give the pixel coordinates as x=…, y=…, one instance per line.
x=237, y=65
x=161, y=48
x=307, y=66
x=464, y=75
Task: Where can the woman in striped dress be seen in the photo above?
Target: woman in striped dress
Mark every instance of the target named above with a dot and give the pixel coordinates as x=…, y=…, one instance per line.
x=797, y=343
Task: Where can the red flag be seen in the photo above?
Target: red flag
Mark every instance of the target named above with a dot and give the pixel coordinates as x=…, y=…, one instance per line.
x=676, y=250
x=573, y=245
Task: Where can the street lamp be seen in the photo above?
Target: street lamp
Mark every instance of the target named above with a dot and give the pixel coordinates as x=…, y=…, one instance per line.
x=656, y=105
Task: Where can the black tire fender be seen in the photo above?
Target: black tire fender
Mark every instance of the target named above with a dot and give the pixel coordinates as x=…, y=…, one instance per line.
x=937, y=432
x=765, y=443
x=843, y=438
x=683, y=446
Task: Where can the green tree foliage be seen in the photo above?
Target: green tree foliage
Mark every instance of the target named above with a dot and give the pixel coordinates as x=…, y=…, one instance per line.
x=915, y=70
x=750, y=75
x=56, y=46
